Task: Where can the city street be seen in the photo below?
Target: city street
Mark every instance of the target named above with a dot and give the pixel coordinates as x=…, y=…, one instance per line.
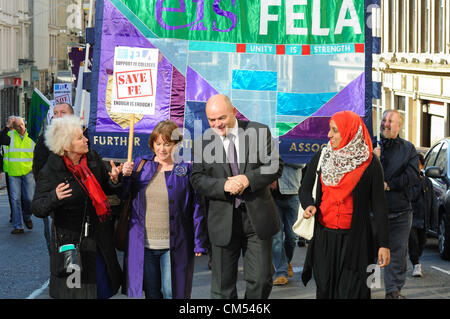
x=24, y=269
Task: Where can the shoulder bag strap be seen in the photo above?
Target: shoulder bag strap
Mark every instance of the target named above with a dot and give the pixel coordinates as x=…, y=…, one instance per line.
x=317, y=174
x=322, y=153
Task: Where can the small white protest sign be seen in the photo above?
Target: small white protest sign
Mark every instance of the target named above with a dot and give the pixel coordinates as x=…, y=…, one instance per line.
x=134, y=82
x=62, y=92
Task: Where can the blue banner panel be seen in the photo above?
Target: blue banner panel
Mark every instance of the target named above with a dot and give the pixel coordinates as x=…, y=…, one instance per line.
x=301, y=104
x=195, y=111
x=300, y=152
x=376, y=89
x=254, y=80
x=115, y=145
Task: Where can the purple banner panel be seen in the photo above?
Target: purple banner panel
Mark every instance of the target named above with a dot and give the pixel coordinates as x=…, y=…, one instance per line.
x=311, y=128
x=119, y=31
x=177, y=100
x=351, y=98
x=197, y=89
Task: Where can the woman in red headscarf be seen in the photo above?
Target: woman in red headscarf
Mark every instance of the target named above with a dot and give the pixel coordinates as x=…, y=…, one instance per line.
x=350, y=190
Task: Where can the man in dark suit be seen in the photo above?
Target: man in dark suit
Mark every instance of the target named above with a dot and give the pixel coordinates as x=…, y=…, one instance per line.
x=234, y=164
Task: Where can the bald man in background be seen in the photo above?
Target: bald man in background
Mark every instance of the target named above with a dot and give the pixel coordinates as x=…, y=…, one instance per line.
x=41, y=151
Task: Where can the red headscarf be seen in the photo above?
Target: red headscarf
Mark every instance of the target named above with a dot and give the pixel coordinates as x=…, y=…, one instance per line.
x=346, y=159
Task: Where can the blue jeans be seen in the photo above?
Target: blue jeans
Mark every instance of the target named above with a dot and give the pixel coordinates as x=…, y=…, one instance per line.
x=157, y=274
x=284, y=241
x=22, y=190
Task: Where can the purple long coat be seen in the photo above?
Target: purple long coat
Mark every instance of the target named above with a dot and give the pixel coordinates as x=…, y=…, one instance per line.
x=188, y=234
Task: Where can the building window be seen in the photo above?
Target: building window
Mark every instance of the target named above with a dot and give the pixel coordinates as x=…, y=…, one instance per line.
x=400, y=106
x=433, y=122
x=412, y=25
x=391, y=10
x=425, y=29
x=439, y=26
x=447, y=23
x=401, y=26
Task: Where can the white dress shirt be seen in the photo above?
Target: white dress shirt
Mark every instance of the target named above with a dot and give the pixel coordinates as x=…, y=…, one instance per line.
x=226, y=141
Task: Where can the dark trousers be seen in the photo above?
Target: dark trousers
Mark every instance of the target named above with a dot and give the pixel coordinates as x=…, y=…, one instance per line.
x=395, y=272
x=9, y=195
x=417, y=241
x=258, y=268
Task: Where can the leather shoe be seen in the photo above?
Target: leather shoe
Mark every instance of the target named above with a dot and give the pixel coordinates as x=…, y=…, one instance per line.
x=290, y=270
x=29, y=224
x=301, y=242
x=282, y=280
x=395, y=295
x=17, y=231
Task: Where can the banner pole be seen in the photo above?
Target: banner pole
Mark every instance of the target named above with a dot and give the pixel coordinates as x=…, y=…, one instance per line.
x=130, y=139
x=86, y=64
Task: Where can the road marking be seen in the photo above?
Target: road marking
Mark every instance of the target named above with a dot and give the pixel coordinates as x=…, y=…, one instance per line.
x=442, y=270
x=37, y=292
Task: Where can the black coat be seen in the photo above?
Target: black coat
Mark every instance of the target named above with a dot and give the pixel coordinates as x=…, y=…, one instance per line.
x=40, y=155
x=68, y=220
x=423, y=203
x=401, y=171
x=4, y=138
x=367, y=234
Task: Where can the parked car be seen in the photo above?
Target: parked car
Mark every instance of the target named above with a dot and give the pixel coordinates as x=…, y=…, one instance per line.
x=437, y=169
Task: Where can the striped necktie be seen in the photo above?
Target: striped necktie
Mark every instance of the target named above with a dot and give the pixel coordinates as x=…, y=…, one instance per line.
x=232, y=159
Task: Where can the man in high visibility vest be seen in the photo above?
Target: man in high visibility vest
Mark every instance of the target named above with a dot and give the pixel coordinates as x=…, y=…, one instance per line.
x=19, y=156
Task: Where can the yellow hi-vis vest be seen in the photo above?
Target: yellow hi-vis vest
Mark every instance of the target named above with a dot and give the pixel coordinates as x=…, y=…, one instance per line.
x=19, y=154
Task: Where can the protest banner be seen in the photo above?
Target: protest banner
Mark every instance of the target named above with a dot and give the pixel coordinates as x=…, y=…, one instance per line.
x=288, y=64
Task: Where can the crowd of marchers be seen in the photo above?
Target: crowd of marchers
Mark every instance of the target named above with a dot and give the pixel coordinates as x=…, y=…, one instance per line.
x=368, y=207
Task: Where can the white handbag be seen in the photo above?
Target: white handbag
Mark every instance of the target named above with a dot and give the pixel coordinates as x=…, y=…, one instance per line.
x=305, y=227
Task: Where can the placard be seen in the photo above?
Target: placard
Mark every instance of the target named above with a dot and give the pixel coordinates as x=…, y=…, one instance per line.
x=134, y=81
x=62, y=93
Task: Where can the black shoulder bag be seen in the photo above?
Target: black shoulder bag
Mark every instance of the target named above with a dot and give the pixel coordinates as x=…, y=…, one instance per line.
x=68, y=256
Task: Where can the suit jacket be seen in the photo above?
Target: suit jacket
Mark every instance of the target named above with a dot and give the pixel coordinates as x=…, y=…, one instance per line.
x=259, y=161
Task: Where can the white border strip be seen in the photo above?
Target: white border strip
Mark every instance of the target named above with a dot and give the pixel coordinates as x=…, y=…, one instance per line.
x=442, y=270
x=37, y=292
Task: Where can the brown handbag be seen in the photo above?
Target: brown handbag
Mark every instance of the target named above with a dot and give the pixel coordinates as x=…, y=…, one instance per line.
x=120, y=238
